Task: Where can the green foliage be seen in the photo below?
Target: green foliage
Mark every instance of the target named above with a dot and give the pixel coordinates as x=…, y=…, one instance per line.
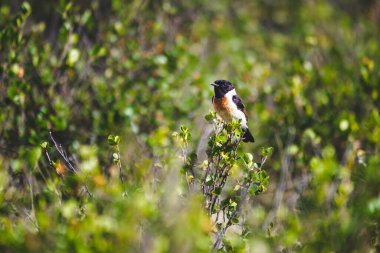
x=72, y=72
x=225, y=193
x=113, y=139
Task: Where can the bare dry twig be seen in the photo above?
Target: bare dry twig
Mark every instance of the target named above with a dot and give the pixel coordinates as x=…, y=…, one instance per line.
x=66, y=159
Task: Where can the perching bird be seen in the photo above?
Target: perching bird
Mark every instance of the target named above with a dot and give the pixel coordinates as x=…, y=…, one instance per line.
x=229, y=106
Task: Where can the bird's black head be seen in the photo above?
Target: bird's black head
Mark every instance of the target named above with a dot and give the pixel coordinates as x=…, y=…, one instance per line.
x=221, y=87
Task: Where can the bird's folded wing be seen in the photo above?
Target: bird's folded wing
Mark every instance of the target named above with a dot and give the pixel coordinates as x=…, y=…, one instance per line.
x=236, y=99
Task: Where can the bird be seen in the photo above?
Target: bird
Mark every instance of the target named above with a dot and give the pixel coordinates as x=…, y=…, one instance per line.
x=228, y=105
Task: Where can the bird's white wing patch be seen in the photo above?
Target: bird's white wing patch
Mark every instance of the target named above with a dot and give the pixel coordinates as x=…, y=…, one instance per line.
x=235, y=112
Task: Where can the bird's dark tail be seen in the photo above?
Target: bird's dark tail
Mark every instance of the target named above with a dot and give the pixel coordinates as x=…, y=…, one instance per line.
x=247, y=136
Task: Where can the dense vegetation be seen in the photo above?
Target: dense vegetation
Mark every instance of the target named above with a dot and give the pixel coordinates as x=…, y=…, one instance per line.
x=102, y=123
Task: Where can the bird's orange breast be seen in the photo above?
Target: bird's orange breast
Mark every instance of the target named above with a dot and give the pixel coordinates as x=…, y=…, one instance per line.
x=222, y=107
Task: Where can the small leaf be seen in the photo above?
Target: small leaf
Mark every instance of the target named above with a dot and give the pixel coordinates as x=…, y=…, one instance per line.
x=190, y=178
x=184, y=134
x=73, y=56
x=210, y=116
x=255, y=176
x=253, y=190
x=110, y=139
x=225, y=203
x=248, y=158
x=266, y=151
x=25, y=8
x=262, y=188
x=44, y=145
x=209, y=181
x=113, y=140
x=68, y=6
x=235, y=220
x=116, y=157
x=233, y=204
x=257, y=165
x=216, y=191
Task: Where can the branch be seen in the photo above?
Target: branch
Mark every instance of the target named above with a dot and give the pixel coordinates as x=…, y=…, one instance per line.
x=237, y=211
x=64, y=156
x=119, y=165
x=62, y=152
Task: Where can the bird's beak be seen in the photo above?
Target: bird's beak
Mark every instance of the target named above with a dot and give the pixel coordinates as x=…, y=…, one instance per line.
x=214, y=84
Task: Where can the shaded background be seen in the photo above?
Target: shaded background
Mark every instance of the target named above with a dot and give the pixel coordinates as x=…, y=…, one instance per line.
x=306, y=70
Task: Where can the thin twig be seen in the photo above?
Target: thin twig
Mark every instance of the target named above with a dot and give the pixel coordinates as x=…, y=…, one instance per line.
x=48, y=157
x=184, y=156
x=62, y=152
x=31, y=193
x=32, y=220
x=119, y=165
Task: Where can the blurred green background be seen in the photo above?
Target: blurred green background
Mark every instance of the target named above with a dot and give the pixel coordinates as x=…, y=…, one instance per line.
x=306, y=70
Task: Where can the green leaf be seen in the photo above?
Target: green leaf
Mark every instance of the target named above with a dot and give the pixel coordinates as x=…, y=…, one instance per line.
x=233, y=204
x=73, y=56
x=255, y=176
x=25, y=8
x=257, y=165
x=225, y=203
x=115, y=157
x=266, y=151
x=209, y=181
x=44, y=145
x=248, y=159
x=210, y=116
x=253, y=190
x=113, y=140
x=235, y=220
x=262, y=188
x=184, y=134
x=237, y=187
x=216, y=191
x=263, y=177
x=68, y=6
